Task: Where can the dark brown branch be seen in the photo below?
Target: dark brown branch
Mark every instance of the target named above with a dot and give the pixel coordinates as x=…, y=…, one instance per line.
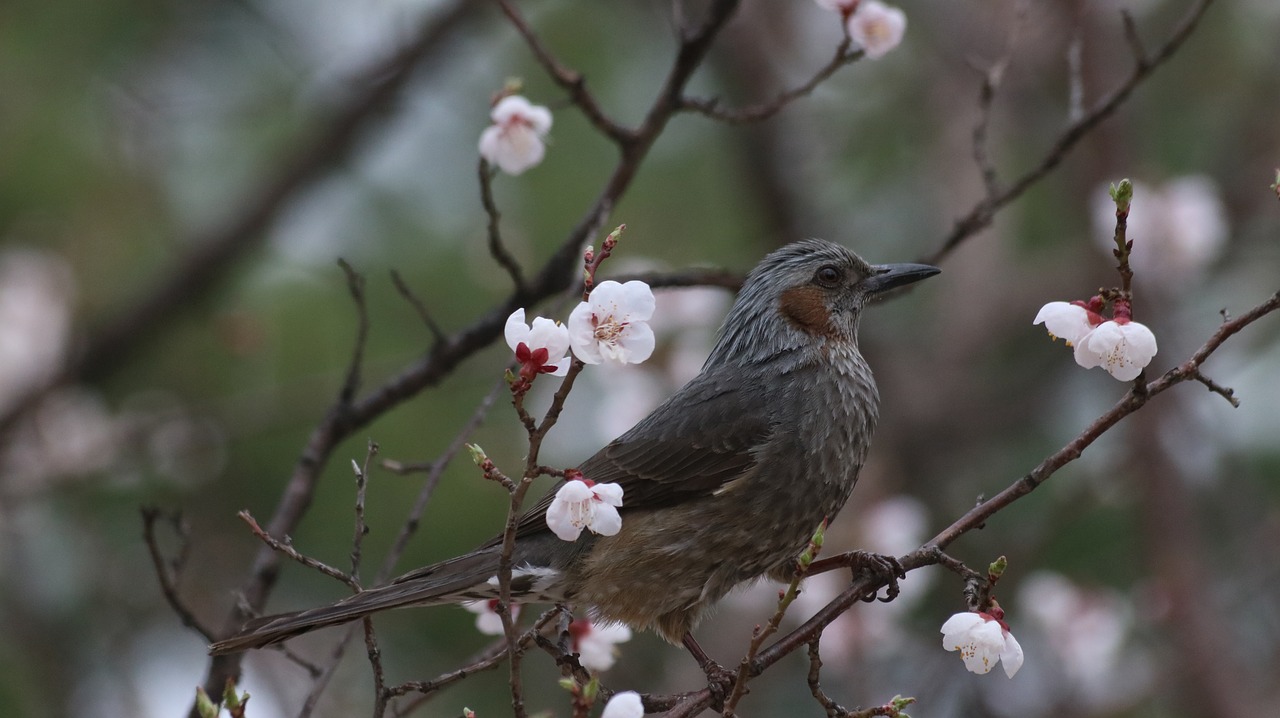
x=763, y=111
x=982, y=213
x=167, y=572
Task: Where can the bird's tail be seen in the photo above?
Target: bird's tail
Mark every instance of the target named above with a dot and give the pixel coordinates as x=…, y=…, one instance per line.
x=458, y=579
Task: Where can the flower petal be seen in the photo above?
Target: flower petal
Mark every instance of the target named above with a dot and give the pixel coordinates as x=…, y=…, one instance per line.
x=608, y=493
x=626, y=704
x=516, y=330
x=1011, y=655
x=605, y=520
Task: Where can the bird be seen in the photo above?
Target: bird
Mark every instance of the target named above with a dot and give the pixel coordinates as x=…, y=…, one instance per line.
x=723, y=483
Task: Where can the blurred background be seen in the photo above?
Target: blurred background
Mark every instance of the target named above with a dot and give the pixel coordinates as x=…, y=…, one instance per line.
x=234, y=144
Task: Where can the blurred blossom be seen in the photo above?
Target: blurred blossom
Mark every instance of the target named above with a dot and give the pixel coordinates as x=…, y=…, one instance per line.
x=596, y=644
x=514, y=142
x=626, y=704
x=982, y=640
x=584, y=504
x=71, y=433
x=613, y=324
x=687, y=320
x=488, y=621
x=876, y=27
x=1086, y=629
x=1123, y=348
x=844, y=7
x=1177, y=229
x=895, y=526
x=35, y=319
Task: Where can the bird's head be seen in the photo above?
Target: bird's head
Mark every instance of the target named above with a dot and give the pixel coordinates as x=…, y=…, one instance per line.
x=807, y=294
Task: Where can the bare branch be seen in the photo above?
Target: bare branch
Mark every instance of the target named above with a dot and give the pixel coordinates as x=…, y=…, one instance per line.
x=1216, y=388
x=980, y=216
x=355, y=284
x=167, y=572
x=756, y=113
x=285, y=547
x=496, y=248
x=437, y=334
x=571, y=80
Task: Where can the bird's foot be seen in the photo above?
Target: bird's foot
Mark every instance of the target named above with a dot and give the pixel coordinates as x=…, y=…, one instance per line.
x=879, y=566
x=720, y=680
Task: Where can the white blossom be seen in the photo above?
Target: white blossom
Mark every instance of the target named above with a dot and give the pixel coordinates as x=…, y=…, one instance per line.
x=982, y=641
x=488, y=621
x=876, y=27
x=545, y=335
x=595, y=643
x=1067, y=321
x=1123, y=349
x=514, y=142
x=626, y=704
x=612, y=325
x=585, y=504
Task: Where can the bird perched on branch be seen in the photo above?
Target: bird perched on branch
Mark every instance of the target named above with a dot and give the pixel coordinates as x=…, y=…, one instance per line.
x=723, y=483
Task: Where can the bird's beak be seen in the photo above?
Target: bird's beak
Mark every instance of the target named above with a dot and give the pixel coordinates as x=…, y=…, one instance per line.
x=890, y=276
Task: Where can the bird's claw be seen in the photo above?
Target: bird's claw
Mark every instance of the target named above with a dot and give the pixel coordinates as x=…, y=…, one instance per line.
x=879, y=566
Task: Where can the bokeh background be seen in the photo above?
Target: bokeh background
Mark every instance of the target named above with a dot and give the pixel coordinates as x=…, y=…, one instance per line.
x=1144, y=579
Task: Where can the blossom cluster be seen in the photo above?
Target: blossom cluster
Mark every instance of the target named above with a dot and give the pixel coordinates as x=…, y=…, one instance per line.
x=1120, y=345
x=610, y=326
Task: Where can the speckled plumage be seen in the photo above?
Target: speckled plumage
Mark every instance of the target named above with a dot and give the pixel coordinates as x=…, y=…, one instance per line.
x=724, y=483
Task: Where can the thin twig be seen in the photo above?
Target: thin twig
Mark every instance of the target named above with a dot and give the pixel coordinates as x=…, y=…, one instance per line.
x=992, y=77
x=571, y=80
x=983, y=212
x=285, y=547
x=496, y=247
x=361, y=528
x=167, y=572
x=437, y=334
x=710, y=107
x=1213, y=386
x=355, y=284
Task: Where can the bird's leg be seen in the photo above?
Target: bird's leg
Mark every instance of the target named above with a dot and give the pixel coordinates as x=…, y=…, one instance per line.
x=881, y=566
x=719, y=678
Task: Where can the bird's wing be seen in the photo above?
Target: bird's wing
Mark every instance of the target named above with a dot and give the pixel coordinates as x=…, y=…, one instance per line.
x=701, y=439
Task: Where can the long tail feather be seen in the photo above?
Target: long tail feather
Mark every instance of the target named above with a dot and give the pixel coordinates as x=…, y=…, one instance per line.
x=458, y=579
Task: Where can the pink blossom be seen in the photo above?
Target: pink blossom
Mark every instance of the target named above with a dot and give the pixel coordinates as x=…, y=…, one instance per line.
x=515, y=140
x=876, y=27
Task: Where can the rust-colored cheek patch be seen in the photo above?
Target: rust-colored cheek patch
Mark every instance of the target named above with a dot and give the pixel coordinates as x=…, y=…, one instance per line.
x=806, y=307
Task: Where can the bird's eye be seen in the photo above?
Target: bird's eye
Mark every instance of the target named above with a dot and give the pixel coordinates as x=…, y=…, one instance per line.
x=828, y=276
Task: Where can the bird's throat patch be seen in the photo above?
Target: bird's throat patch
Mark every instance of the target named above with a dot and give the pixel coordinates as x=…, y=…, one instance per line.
x=806, y=307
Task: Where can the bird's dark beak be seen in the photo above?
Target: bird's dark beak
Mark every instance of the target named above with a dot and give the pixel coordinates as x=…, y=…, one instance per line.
x=890, y=276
